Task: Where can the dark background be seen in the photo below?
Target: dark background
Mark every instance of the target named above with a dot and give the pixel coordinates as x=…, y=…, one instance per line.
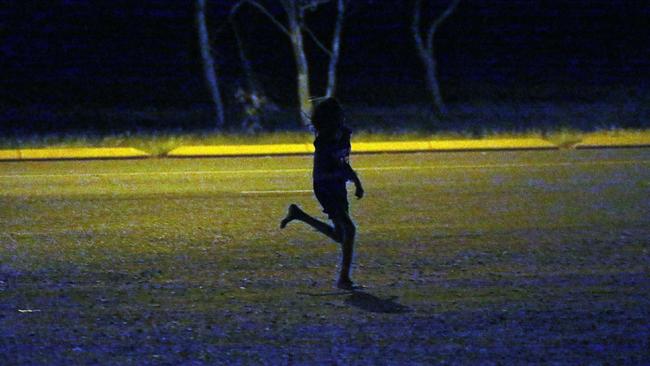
x=62, y=59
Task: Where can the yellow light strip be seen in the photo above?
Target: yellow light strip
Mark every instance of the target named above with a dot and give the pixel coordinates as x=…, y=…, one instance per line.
x=365, y=147
x=614, y=141
x=72, y=153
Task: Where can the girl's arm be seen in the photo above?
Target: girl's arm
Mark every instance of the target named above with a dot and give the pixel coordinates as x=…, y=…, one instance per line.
x=352, y=175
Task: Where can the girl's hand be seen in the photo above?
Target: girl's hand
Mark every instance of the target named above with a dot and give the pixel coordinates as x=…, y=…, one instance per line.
x=359, y=192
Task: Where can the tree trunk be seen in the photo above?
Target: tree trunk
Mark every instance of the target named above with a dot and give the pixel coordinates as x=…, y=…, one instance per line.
x=251, y=81
x=430, y=65
x=426, y=51
x=336, y=42
x=208, y=63
x=302, y=70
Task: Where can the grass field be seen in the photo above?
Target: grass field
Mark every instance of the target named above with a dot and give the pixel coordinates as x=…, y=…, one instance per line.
x=500, y=257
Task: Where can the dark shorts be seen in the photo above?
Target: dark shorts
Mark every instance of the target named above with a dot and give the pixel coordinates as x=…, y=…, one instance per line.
x=333, y=196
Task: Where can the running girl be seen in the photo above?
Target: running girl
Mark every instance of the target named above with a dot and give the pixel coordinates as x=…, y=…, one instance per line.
x=332, y=171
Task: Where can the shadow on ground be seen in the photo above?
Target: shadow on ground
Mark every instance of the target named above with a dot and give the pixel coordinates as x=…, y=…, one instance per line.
x=371, y=303
x=366, y=301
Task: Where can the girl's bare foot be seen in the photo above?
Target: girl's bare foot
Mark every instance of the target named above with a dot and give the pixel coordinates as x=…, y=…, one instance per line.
x=347, y=285
x=293, y=213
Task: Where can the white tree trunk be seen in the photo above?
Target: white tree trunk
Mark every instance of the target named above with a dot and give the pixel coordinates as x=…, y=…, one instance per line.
x=208, y=62
x=302, y=70
x=433, y=85
x=251, y=81
x=426, y=51
x=336, y=46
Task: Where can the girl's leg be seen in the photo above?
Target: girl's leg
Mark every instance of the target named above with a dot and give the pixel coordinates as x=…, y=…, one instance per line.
x=295, y=213
x=348, y=231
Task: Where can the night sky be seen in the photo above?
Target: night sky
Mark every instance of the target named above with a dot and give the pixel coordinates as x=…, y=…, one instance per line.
x=145, y=53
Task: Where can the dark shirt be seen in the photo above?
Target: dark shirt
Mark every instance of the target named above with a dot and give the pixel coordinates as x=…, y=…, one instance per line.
x=331, y=156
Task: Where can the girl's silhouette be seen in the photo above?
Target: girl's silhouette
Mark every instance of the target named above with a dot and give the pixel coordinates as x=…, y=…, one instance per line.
x=332, y=171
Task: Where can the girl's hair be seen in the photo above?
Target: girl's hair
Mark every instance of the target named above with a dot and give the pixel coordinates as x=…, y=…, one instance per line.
x=327, y=115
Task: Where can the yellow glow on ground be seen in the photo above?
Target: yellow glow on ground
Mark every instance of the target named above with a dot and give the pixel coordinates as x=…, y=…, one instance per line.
x=589, y=141
x=72, y=153
x=231, y=150
x=451, y=145
x=365, y=147
x=627, y=140
x=9, y=155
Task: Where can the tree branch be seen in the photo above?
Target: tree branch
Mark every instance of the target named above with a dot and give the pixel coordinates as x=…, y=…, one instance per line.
x=336, y=48
x=268, y=14
x=231, y=16
x=317, y=41
x=235, y=9
x=415, y=26
x=436, y=23
x=313, y=4
x=289, y=7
